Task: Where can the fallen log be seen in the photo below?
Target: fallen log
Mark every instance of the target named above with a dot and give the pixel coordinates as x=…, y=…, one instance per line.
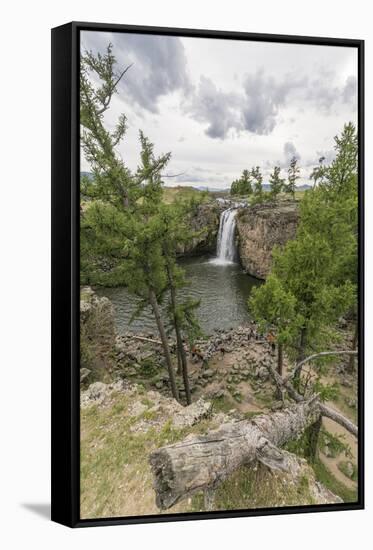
x=143, y=339
x=200, y=463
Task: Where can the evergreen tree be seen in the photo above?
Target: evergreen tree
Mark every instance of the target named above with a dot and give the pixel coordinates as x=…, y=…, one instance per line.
x=123, y=229
x=317, y=271
x=257, y=183
x=99, y=144
x=274, y=309
x=246, y=187
x=293, y=176
x=175, y=231
x=318, y=172
x=276, y=183
x=235, y=187
x=243, y=185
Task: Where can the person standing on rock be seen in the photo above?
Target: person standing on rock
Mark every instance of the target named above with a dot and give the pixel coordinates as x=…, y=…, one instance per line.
x=271, y=341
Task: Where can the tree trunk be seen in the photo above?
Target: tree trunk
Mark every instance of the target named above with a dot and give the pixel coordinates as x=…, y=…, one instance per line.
x=280, y=359
x=179, y=341
x=200, y=463
x=313, y=433
x=184, y=365
x=300, y=357
x=351, y=361
x=162, y=333
x=179, y=366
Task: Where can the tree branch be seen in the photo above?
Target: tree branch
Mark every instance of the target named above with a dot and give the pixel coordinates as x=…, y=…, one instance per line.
x=324, y=409
x=299, y=365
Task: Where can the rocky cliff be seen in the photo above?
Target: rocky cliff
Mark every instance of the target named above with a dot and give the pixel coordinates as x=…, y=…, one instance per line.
x=204, y=222
x=97, y=336
x=259, y=229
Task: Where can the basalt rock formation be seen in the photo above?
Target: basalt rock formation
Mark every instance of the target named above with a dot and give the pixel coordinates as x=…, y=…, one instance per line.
x=97, y=336
x=259, y=229
x=204, y=222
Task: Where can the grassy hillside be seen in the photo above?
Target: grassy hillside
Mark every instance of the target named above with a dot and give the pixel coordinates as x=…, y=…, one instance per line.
x=170, y=194
x=120, y=429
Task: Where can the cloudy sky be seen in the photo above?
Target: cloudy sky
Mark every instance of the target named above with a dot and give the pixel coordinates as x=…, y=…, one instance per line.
x=224, y=105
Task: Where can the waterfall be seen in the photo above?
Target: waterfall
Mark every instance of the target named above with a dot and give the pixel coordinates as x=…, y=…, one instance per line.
x=226, y=247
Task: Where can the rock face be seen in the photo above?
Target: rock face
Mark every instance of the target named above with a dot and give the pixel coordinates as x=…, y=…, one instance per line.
x=259, y=229
x=97, y=335
x=204, y=222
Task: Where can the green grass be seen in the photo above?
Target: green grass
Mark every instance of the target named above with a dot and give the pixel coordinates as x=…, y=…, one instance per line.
x=335, y=444
x=222, y=404
x=170, y=194
x=114, y=454
x=114, y=465
x=343, y=467
x=325, y=477
x=256, y=487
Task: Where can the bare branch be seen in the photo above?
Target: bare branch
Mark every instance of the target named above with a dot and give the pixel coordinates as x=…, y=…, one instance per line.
x=324, y=409
x=299, y=365
x=339, y=419
x=106, y=101
x=172, y=175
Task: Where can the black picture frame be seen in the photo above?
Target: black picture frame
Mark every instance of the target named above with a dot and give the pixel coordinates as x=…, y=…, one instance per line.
x=65, y=271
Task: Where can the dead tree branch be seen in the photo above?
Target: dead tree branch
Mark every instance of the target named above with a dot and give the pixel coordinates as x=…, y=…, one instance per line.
x=299, y=365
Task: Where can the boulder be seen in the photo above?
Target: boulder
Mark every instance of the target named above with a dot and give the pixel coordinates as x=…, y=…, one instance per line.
x=84, y=373
x=97, y=332
x=192, y=414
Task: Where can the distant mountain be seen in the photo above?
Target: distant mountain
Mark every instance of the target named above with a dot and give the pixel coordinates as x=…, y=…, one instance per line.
x=304, y=187
x=87, y=175
x=212, y=189
x=266, y=186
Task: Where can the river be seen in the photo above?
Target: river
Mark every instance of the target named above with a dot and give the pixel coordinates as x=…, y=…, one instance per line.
x=223, y=290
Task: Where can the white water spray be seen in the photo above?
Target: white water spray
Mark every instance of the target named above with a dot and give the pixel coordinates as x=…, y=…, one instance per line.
x=226, y=247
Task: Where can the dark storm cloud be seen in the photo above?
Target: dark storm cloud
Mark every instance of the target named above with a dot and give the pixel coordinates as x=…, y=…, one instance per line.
x=326, y=96
x=254, y=109
x=263, y=98
x=290, y=152
x=350, y=90
x=219, y=109
x=159, y=64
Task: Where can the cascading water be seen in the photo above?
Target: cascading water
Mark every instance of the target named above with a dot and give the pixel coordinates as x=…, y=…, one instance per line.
x=226, y=247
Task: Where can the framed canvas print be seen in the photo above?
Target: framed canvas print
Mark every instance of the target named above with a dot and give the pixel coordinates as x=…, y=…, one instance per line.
x=207, y=277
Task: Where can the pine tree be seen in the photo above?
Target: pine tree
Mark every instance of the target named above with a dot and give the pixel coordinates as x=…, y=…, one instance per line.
x=246, y=186
x=243, y=185
x=318, y=172
x=276, y=183
x=317, y=271
x=99, y=144
x=123, y=226
x=257, y=183
x=175, y=232
x=293, y=176
x=274, y=310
